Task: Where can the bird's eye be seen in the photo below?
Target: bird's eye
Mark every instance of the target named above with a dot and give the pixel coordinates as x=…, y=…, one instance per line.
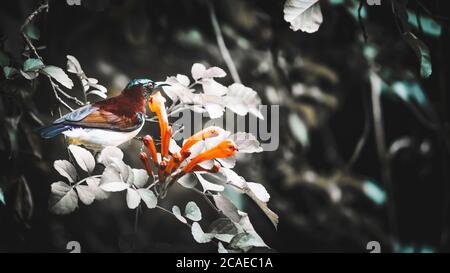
x=150, y=85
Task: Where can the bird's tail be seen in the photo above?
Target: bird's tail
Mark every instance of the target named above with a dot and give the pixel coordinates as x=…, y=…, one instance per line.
x=52, y=130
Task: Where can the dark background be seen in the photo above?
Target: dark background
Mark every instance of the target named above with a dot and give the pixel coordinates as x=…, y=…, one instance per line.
x=116, y=41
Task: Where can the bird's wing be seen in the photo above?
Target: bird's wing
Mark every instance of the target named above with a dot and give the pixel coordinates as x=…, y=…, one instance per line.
x=90, y=116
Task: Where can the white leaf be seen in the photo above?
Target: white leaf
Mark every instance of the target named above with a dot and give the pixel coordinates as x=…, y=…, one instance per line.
x=211, y=87
x=140, y=177
x=63, y=199
x=298, y=129
x=214, y=110
x=59, y=75
x=246, y=143
x=111, y=180
x=97, y=93
x=83, y=158
x=199, y=235
x=227, y=162
x=227, y=208
x=192, y=211
x=242, y=99
x=133, y=198
x=73, y=66
x=260, y=191
x=208, y=186
x=177, y=212
x=66, y=169
x=148, y=197
x=173, y=146
x=99, y=87
x=247, y=240
x=93, y=183
x=85, y=194
x=221, y=248
x=303, y=14
x=197, y=71
x=187, y=181
x=183, y=80
x=108, y=153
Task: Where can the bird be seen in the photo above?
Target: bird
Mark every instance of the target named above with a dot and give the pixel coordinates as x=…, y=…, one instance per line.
x=109, y=122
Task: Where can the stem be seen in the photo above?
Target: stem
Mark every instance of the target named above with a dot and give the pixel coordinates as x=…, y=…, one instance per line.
x=383, y=158
x=221, y=43
x=43, y=6
x=204, y=195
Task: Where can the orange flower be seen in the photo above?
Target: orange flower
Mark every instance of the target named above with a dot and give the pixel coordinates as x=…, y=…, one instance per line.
x=224, y=149
x=214, y=169
x=156, y=103
x=150, y=145
x=144, y=158
x=173, y=162
x=161, y=169
x=165, y=142
x=203, y=134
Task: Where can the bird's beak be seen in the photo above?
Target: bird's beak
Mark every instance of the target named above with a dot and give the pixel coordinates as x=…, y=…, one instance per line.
x=160, y=84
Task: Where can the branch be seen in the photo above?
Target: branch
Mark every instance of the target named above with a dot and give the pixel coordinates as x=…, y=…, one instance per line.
x=42, y=7
x=221, y=43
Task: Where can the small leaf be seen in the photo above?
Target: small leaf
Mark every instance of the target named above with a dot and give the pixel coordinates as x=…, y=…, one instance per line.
x=177, y=212
x=93, y=183
x=83, y=158
x=259, y=191
x=298, y=129
x=140, y=177
x=133, y=198
x=29, y=75
x=304, y=15
x=32, y=32
x=148, y=197
x=63, y=199
x=246, y=142
x=374, y=192
x=223, y=226
x=111, y=180
x=192, y=211
x=2, y=197
x=208, y=186
x=422, y=52
x=221, y=248
x=4, y=59
x=108, y=153
x=247, y=240
x=85, y=194
x=32, y=64
x=9, y=72
x=59, y=75
x=187, y=181
x=199, y=71
x=227, y=208
x=73, y=65
x=66, y=169
x=199, y=235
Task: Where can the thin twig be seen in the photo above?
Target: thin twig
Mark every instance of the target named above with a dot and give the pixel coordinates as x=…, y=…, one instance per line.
x=221, y=43
x=207, y=200
x=43, y=6
x=360, y=21
x=384, y=159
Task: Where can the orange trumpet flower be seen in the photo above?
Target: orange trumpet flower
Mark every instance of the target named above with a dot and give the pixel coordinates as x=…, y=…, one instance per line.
x=203, y=134
x=150, y=145
x=224, y=149
x=156, y=103
x=144, y=158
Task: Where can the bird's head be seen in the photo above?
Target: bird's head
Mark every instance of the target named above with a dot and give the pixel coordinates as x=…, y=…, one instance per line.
x=143, y=86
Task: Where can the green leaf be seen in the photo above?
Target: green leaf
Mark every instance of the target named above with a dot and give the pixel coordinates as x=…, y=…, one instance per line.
x=199, y=235
x=422, y=52
x=2, y=197
x=410, y=91
x=374, y=192
x=247, y=240
x=148, y=197
x=32, y=64
x=4, y=59
x=192, y=211
x=58, y=74
x=298, y=129
x=429, y=26
x=9, y=72
x=177, y=212
x=32, y=32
